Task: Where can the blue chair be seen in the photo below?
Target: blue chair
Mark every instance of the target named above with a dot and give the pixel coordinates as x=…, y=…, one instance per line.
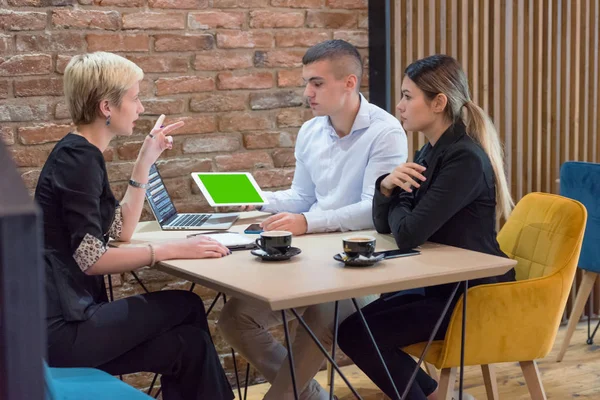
x=581, y=181
x=87, y=384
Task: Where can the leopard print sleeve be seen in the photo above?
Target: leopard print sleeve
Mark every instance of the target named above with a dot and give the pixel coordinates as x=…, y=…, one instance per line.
x=117, y=225
x=89, y=252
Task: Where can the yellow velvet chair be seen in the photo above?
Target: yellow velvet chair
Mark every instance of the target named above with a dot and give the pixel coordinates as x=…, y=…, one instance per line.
x=517, y=321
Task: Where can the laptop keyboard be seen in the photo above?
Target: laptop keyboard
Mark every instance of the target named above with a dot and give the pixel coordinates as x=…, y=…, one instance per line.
x=190, y=220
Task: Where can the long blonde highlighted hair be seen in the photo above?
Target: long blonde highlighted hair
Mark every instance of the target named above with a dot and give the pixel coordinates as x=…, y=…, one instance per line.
x=442, y=74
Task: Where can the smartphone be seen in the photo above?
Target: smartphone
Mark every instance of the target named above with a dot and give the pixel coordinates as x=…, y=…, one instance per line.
x=253, y=229
x=397, y=253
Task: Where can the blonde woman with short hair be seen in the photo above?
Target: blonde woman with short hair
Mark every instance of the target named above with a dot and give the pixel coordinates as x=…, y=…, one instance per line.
x=164, y=332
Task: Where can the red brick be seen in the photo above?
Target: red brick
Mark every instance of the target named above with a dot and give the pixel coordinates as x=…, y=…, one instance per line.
x=61, y=63
x=42, y=3
x=262, y=140
x=278, y=58
x=284, y=158
x=223, y=59
x=211, y=144
x=119, y=171
x=244, y=39
x=108, y=154
x=244, y=161
x=153, y=20
x=182, y=166
x=178, y=4
x=163, y=106
x=290, y=78
x=287, y=139
x=279, y=99
x=331, y=19
x=30, y=64
x=22, y=21
x=218, y=102
x=348, y=4
x=293, y=117
x=42, y=133
x=197, y=124
x=239, y=122
x=61, y=111
x=30, y=178
x=118, y=42
x=363, y=20
x=276, y=19
x=216, y=19
x=54, y=41
x=39, y=87
x=357, y=38
x=184, y=84
x=272, y=178
x=297, y=3
x=299, y=38
x=183, y=42
x=6, y=44
x=29, y=156
x=143, y=126
x=119, y=3
x=161, y=64
x=253, y=80
x=4, y=85
x=7, y=135
x=86, y=19
x=17, y=110
x=129, y=150
x=147, y=87
x=240, y=3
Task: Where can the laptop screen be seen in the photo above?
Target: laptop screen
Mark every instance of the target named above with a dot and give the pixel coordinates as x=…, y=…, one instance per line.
x=158, y=198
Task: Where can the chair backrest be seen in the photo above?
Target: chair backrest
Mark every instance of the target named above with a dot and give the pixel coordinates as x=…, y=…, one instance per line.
x=542, y=235
x=581, y=181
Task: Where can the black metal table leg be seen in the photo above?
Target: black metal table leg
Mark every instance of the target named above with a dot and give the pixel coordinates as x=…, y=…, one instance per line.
x=139, y=281
x=290, y=354
x=320, y=346
x=335, y=335
x=462, y=340
x=366, y=326
x=431, y=338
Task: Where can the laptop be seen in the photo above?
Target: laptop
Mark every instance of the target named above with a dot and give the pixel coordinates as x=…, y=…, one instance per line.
x=169, y=219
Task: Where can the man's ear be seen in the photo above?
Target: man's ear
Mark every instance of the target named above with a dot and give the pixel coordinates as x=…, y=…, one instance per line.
x=439, y=103
x=351, y=82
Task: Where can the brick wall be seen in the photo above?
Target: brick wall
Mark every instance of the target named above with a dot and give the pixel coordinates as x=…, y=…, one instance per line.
x=231, y=69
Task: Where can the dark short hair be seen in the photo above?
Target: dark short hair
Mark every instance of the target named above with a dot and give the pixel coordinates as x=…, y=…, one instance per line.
x=334, y=50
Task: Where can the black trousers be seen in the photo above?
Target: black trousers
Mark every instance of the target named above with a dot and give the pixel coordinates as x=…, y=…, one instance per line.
x=164, y=332
x=395, y=322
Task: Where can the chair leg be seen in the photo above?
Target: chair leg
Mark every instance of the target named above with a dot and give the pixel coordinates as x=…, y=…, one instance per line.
x=329, y=368
x=533, y=379
x=446, y=386
x=489, y=378
x=587, y=283
x=431, y=371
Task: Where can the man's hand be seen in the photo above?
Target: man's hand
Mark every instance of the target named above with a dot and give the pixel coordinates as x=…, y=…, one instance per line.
x=295, y=223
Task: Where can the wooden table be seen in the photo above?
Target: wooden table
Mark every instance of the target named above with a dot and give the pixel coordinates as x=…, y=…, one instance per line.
x=314, y=277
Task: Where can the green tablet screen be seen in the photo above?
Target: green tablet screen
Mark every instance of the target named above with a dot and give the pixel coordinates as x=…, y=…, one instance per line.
x=230, y=188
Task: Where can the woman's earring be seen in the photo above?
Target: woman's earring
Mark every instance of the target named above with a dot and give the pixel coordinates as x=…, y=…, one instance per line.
x=108, y=120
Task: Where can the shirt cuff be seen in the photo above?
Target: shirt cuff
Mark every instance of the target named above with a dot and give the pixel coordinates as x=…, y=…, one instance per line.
x=89, y=251
x=316, y=221
x=117, y=225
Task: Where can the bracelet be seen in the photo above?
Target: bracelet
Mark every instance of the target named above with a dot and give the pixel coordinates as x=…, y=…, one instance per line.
x=152, y=255
x=139, y=185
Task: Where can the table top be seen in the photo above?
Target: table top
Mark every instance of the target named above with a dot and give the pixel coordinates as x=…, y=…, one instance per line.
x=314, y=277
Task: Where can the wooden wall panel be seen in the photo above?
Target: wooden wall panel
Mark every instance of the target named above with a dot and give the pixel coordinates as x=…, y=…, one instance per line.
x=533, y=65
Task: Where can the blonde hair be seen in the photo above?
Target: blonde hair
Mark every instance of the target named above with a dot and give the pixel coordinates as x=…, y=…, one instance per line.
x=94, y=77
x=442, y=74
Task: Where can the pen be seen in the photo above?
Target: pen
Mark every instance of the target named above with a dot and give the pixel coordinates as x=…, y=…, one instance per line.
x=204, y=233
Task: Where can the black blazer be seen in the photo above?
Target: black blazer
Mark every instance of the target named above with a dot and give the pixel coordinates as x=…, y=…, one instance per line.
x=455, y=206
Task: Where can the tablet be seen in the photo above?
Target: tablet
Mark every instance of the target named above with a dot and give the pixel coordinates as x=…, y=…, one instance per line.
x=229, y=188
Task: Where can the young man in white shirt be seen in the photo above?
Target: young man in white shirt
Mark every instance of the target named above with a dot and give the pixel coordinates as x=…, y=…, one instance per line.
x=339, y=155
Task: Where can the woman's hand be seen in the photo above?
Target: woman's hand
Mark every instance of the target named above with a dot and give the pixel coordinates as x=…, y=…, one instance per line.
x=198, y=247
x=405, y=176
x=157, y=141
